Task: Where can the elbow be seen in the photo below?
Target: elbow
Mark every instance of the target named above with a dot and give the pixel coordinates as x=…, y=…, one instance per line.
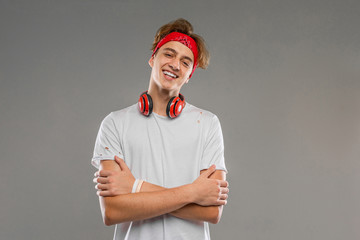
x=111, y=217
x=215, y=220
x=107, y=221
x=107, y=218
x=106, y=212
x=216, y=215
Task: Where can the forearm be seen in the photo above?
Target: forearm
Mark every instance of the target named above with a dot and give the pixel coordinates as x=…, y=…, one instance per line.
x=118, y=205
x=196, y=212
x=143, y=205
x=190, y=211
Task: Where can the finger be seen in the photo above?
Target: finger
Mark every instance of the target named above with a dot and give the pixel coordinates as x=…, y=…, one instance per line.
x=100, y=186
x=122, y=164
x=105, y=173
x=100, y=180
x=223, y=197
x=117, y=160
x=223, y=183
x=209, y=171
x=222, y=202
x=224, y=190
x=104, y=194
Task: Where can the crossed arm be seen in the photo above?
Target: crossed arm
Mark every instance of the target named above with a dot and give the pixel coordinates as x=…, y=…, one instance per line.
x=201, y=200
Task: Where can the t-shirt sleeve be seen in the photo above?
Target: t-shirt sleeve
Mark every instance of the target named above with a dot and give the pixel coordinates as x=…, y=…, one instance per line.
x=107, y=143
x=214, y=147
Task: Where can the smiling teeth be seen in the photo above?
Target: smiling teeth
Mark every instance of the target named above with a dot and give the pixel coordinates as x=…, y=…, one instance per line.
x=170, y=74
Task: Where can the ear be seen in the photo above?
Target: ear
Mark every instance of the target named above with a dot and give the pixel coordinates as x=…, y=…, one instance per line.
x=151, y=61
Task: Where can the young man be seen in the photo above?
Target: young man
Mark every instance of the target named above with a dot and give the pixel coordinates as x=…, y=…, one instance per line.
x=162, y=170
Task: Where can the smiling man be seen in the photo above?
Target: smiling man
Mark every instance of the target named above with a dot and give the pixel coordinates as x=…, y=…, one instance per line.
x=161, y=161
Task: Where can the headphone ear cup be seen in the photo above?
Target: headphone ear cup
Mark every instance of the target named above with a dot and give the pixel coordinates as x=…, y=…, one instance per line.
x=169, y=108
x=179, y=106
x=175, y=107
x=150, y=104
x=141, y=104
x=145, y=104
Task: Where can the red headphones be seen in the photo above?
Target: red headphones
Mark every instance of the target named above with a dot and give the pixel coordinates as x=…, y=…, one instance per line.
x=173, y=109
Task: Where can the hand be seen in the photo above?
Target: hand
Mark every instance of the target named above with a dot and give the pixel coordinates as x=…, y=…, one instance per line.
x=208, y=191
x=114, y=182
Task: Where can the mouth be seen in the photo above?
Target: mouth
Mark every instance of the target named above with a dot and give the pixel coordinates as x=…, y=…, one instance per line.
x=170, y=74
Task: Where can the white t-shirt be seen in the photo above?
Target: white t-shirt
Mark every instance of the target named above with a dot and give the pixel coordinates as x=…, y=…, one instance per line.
x=166, y=152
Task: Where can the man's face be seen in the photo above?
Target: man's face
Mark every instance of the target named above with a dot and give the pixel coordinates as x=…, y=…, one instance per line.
x=171, y=66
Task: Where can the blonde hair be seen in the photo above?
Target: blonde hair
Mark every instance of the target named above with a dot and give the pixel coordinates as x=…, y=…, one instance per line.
x=183, y=26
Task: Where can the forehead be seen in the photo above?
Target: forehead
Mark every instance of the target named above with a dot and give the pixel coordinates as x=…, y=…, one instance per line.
x=180, y=48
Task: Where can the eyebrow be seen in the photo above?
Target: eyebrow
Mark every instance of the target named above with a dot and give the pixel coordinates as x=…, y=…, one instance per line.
x=175, y=52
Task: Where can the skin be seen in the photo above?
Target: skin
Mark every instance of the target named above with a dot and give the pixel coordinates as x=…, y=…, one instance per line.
x=201, y=200
x=174, y=57
x=207, y=195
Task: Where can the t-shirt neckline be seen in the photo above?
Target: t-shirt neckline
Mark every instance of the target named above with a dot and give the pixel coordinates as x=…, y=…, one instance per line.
x=166, y=117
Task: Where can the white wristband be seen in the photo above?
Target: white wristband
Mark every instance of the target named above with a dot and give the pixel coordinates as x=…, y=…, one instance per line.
x=139, y=185
x=135, y=186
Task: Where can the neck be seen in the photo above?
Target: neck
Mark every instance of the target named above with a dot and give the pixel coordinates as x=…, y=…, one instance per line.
x=160, y=98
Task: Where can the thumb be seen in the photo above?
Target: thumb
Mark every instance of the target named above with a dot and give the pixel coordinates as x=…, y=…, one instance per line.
x=117, y=160
x=122, y=164
x=209, y=171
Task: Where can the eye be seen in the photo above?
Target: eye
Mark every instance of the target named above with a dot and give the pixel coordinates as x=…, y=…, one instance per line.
x=167, y=54
x=186, y=64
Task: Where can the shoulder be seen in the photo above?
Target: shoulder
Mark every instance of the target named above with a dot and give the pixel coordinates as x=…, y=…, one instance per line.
x=125, y=111
x=119, y=115
x=204, y=114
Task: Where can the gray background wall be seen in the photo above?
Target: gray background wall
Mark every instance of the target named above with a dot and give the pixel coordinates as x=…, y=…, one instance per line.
x=284, y=80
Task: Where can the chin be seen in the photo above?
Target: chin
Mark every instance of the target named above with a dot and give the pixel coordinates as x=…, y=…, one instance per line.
x=168, y=88
x=166, y=84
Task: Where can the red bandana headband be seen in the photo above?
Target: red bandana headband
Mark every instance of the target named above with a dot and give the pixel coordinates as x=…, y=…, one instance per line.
x=184, y=39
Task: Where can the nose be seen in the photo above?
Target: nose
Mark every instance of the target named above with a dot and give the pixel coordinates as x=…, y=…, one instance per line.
x=175, y=64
